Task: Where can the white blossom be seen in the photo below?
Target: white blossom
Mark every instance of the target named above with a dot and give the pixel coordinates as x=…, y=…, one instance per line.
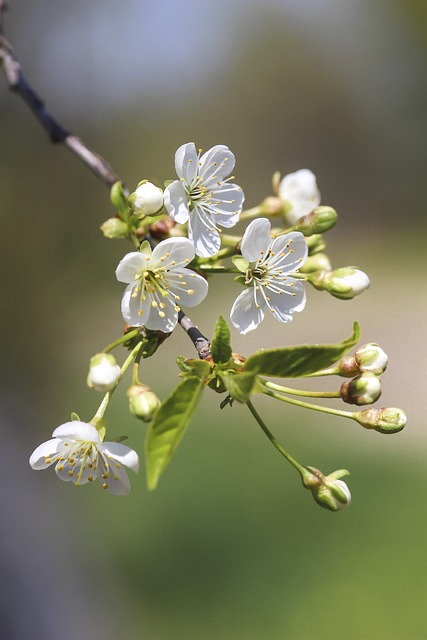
x=103, y=372
x=159, y=283
x=300, y=193
x=272, y=262
x=147, y=199
x=203, y=196
x=80, y=457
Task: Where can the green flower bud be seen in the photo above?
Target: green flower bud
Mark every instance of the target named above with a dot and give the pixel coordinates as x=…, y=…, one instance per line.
x=143, y=403
x=103, y=372
x=115, y=228
x=328, y=491
x=344, y=283
x=364, y=389
x=317, y=262
x=389, y=420
x=146, y=200
x=320, y=220
x=315, y=244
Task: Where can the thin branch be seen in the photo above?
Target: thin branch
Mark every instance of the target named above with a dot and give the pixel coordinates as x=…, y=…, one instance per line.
x=58, y=134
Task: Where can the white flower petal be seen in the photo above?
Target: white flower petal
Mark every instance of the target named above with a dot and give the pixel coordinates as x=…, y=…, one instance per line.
x=130, y=265
x=290, y=252
x=203, y=235
x=256, y=239
x=77, y=430
x=43, y=451
x=246, y=313
x=216, y=164
x=284, y=304
x=186, y=162
x=189, y=282
x=179, y=251
x=121, y=454
x=176, y=202
x=163, y=316
x=299, y=190
x=134, y=310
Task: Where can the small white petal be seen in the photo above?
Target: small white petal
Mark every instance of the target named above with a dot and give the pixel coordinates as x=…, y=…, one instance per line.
x=291, y=300
x=161, y=318
x=132, y=305
x=290, y=252
x=43, y=451
x=216, y=164
x=176, y=202
x=245, y=314
x=130, y=265
x=256, y=239
x=173, y=250
x=299, y=190
x=77, y=430
x=186, y=162
x=206, y=238
x=195, y=284
x=121, y=453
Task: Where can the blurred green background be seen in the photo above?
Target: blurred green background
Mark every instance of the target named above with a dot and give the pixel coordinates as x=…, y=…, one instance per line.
x=229, y=547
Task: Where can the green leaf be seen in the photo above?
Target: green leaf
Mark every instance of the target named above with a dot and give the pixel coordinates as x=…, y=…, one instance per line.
x=239, y=385
x=168, y=427
x=295, y=362
x=220, y=347
x=240, y=263
x=118, y=198
x=199, y=368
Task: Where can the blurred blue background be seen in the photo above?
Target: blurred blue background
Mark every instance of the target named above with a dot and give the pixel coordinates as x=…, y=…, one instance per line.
x=229, y=547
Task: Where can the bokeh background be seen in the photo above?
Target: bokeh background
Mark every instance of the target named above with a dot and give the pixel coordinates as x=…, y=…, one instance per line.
x=229, y=547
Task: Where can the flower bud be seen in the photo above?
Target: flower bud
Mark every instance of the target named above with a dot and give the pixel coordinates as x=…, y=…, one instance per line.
x=147, y=199
x=321, y=219
x=115, y=228
x=371, y=358
x=103, y=372
x=344, y=283
x=389, y=420
x=364, y=389
x=143, y=403
x=317, y=262
x=315, y=244
x=328, y=491
x=271, y=206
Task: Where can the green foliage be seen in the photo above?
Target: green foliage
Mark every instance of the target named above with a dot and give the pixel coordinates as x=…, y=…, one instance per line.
x=221, y=347
x=119, y=200
x=299, y=361
x=168, y=427
x=199, y=368
x=240, y=386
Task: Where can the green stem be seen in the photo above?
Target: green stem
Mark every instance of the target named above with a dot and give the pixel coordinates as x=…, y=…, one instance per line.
x=308, y=405
x=230, y=241
x=301, y=392
x=250, y=213
x=218, y=269
x=121, y=340
x=274, y=441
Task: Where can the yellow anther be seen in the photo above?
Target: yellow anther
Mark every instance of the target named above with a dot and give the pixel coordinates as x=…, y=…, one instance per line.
x=48, y=460
x=116, y=477
x=177, y=298
x=71, y=473
x=162, y=305
x=60, y=467
x=190, y=292
x=105, y=475
x=140, y=312
x=177, y=308
x=90, y=478
x=154, y=303
x=105, y=485
x=162, y=314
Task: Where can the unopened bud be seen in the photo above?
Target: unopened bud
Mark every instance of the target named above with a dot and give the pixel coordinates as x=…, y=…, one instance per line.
x=318, y=262
x=320, y=220
x=300, y=194
x=271, y=206
x=143, y=403
x=315, y=244
x=328, y=491
x=389, y=420
x=114, y=228
x=103, y=372
x=344, y=283
x=364, y=389
x=147, y=199
x=371, y=358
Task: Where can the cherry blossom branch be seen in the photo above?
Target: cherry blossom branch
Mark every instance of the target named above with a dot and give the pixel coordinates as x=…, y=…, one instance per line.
x=58, y=134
